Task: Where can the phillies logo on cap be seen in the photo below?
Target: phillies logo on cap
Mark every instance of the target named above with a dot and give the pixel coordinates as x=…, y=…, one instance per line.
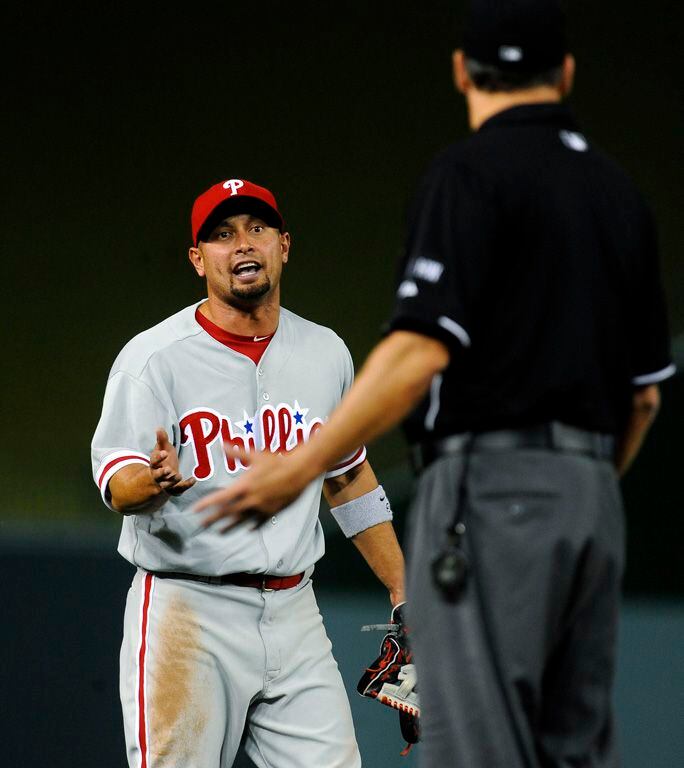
x=234, y=196
x=233, y=185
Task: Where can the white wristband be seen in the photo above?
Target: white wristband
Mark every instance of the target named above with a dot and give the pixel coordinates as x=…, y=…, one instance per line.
x=363, y=512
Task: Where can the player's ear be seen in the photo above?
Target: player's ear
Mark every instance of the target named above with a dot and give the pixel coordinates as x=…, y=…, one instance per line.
x=462, y=82
x=285, y=243
x=197, y=260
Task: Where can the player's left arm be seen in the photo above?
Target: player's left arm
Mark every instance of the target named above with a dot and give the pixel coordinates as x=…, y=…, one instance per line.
x=362, y=502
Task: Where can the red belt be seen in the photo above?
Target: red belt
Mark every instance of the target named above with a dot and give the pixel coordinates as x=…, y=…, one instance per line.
x=263, y=581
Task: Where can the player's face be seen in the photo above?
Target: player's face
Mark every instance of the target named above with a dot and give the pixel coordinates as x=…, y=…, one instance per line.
x=242, y=260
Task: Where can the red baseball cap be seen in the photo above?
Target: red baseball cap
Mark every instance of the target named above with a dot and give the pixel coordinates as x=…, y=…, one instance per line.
x=231, y=197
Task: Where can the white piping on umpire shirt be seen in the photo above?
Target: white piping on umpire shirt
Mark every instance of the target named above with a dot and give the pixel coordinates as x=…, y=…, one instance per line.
x=427, y=269
x=407, y=289
x=654, y=378
x=433, y=410
x=455, y=329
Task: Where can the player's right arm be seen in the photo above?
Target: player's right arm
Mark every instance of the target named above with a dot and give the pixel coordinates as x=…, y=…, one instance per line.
x=138, y=488
x=134, y=473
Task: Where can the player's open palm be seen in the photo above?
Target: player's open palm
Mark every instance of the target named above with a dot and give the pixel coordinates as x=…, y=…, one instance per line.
x=164, y=466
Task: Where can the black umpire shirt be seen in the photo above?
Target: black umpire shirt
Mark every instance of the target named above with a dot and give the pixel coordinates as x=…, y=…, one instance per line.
x=534, y=258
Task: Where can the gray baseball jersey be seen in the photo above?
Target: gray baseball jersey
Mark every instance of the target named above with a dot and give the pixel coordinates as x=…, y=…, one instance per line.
x=177, y=376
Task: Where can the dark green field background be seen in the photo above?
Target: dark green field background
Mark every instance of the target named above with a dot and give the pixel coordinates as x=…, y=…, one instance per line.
x=115, y=117
x=115, y=120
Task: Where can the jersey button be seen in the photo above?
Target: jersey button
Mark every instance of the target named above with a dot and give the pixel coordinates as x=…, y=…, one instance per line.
x=279, y=564
x=266, y=396
x=260, y=371
x=273, y=520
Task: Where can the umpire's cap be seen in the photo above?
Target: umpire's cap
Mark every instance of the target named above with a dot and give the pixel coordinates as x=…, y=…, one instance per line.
x=516, y=35
x=228, y=198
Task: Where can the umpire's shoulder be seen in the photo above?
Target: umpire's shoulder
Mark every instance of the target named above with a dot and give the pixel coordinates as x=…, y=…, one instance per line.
x=463, y=159
x=152, y=342
x=617, y=183
x=465, y=150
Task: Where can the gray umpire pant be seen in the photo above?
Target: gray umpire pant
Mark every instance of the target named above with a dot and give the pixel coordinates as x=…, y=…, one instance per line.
x=518, y=672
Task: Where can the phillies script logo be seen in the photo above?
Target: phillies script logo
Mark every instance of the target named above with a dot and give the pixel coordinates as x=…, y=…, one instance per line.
x=277, y=429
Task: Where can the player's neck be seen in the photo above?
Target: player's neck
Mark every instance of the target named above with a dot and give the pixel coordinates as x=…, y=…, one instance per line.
x=261, y=320
x=483, y=105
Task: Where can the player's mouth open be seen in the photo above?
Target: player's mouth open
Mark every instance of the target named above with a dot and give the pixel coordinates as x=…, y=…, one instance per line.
x=247, y=269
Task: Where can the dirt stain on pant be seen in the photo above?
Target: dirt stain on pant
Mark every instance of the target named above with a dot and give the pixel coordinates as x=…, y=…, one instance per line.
x=177, y=717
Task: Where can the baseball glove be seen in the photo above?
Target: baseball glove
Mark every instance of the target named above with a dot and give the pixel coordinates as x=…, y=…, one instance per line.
x=391, y=678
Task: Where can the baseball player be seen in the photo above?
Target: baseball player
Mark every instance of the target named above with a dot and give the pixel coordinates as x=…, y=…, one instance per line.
x=222, y=634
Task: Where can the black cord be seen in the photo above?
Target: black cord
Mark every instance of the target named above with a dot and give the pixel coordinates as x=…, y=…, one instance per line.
x=450, y=567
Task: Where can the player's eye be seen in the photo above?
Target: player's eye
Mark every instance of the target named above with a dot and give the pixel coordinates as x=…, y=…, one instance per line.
x=224, y=234
x=258, y=228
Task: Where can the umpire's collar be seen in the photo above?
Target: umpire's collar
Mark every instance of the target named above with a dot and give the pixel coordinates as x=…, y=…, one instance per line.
x=547, y=113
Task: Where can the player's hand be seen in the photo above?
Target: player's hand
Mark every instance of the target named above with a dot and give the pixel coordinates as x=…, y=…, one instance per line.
x=164, y=467
x=273, y=482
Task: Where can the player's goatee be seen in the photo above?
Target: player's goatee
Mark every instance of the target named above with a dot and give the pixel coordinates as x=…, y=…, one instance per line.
x=251, y=292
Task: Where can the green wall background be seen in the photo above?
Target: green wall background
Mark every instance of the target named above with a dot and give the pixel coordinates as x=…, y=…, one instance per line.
x=116, y=119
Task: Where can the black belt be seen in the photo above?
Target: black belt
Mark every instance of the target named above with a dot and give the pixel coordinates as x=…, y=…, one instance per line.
x=263, y=581
x=553, y=436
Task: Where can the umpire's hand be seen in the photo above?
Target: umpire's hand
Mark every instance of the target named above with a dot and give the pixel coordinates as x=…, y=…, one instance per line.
x=273, y=482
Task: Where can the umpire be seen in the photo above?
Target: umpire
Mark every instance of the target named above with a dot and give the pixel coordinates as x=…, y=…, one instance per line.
x=530, y=313
x=533, y=258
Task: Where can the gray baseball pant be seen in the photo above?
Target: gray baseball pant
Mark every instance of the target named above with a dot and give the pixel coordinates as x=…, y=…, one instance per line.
x=201, y=664
x=518, y=673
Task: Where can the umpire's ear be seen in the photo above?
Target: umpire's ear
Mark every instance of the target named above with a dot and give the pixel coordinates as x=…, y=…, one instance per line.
x=462, y=82
x=197, y=261
x=568, y=76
